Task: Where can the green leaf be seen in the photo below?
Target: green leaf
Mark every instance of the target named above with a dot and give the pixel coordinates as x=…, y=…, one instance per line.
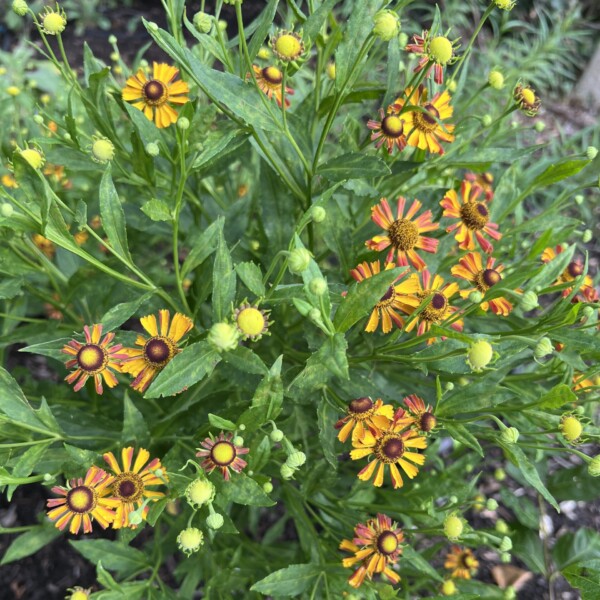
x=245, y=360
x=557, y=172
x=419, y=563
x=223, y=293
x=327, y=417
x=30, y=542
x=251, y=275
x=558, y=396
x=123, y=560
x=9, y=288
x=241, y=99
x=134, y=425
x=204, y=245
x=156, y=509
x=550, y=271
x=157, y=210
x=586, y=580
x=26, y=463
x=113, y=217
x=362, y=298
x=187, y=368
x=80, y=456
x=461, y=434
x=528, y=470
x=264, y=23
x=118, y=314
x=241, y=489
x=291, y=581
x=572, y=548
x=221, y=423
x=353, y=165
x=312, y=25
x=219, y=144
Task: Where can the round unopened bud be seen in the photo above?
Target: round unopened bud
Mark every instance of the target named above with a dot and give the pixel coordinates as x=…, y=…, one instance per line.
x=103, y=150
x=267, y=487
x=318, y=286
x=6, y=210
x=594, y=466
x=540, y=126
x=510, y=593
x=479, y=355
x=318, y=213
x=587, y=312
x=298, y=260
x=183, y=123
x=296, y=459
x=505, y=544
x=190, y=539
x=38, y=119
x=242, y=427
x=587, y=236
x=264, y=53
x=505, y=4
x=67, y=137
x=20, y=7
x=453, y=527
x=203, y=22
x=286, y=471
x=440, y=50
x=571, y=428
x=453, y=499
x=449, y=588
x=224, y=337
x=543, y=348
x=276, y=435
x=496, y=79
x=579, y=410
x=222, y=25
x=501, y=526
x=579, y=199
x=486, y=120
x=330, y=70
x=200, y=492
x=529, y=301
x=215, y=521
x=452, y=86
x=491, y=504
x=499, y=474
x=386, y=25
x=505, y=557
x=314, y=314
x=591, y=152
x=475, y=297
x=449, y=386
x=135, y=517
x=112, y=39
x=238, y=440
x=510, y=435
x=152, y=149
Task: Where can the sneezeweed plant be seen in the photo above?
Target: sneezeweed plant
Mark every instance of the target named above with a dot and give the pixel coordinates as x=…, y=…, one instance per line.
x=257, y=366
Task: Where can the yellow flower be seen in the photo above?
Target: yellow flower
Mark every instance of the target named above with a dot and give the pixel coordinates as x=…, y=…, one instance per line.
x=252, y=323
x=364, y=414
x=158, y=350
x=154, y=95
x=526, y=100
x=462, y=562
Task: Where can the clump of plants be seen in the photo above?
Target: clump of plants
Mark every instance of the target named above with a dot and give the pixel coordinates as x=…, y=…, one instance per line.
x=295, y=290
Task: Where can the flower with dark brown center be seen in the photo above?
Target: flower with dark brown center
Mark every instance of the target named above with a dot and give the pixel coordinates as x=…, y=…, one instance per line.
x=392, y=126
x=128, y=487
x=220, y=453
x=159, y=350
x=92, y=358
x=436, y=310
x=387, y=543
x=403, y=234
x=82, y=499
x=360, y=406
x=154, y=92
x=475, y=215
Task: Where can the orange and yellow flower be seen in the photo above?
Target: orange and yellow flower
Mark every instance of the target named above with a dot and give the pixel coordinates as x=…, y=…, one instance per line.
x=392, y=447
x=158, y=350
x=573, y=270
x=82, y=500
x=484, y=181
x=413, y=292
x=473, y=217
x=423, y=416
x=269, y=81
x=386, y=309
x=462, y=563
x=221, y=453
x=423, y=128
x=389, y=130
x=155, y=95
x=44, y=244
x=471, y=269
x=376, y=546
x=364, y=414
x=94, y=359
x=403, y=233
x=130, y=484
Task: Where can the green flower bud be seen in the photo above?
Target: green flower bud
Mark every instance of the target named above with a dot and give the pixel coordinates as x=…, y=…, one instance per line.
x=501, y=526
x=203, y=22
x=453, y=499
x=189, y=540
x=479, y=355
x=452, y=85
x=315, y=315
x=510, y=435
x=510, y=593
x=475, y=297
x=505, y=557
x=319, y=214
x=529, y=301
x=238, y=440
x=298, y=260
x=222, y=25
x=486, y=120
x=242, y=427
x=491, y=504
x=267, y=487
x=591, y=152
x=38, y=119
x=579, y=199
x=449, y=386
x=183, y=123
x=112, y=39
x=6, y=210
x=505, y=4
x=20, y=7
x=594, y=466
x=386, y=25
x=318, y=286
x=587, y=312
x=276, y=435
x=103, y=150
x=587, y=236
x=499, y=474
x=296, y=459
x=543, y=348
x=505, y=544
x=152, y=149
x=449, y=588
x=453, y=527
x=200, y=492
x=403, y=39
x=224, y=336
x=215, y=521
x=286, y=471
x=540, y=126
x=496, y=79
